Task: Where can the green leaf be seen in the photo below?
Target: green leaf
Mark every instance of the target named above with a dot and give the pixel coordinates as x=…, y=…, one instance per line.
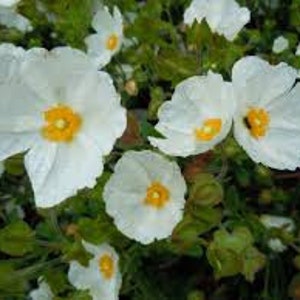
x=17, y=239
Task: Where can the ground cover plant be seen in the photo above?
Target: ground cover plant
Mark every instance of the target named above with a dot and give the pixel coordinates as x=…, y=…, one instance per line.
x=149, y=150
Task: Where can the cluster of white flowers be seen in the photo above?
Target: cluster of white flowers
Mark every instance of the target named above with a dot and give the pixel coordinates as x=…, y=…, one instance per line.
x=225, y=17
x=65, y=115
x=263, y=101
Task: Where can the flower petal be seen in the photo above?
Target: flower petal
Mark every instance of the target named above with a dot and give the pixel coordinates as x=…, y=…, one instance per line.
x=58, y=171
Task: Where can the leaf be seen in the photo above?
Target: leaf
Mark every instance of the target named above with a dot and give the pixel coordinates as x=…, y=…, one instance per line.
x=253, y=262
x=148, y=130
x=17, y=239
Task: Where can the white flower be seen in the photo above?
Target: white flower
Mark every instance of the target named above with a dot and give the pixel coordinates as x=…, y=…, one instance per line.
x=2, y=169
x=225, y=17
x=298, y=50
x=10, y=18
x=43, y=292
x=280, y=44
x=67, y=114
x=102, y=276
x=145, y=196
x=266, y=123
x=108, y=38
x=197, y=118
x=277, y=222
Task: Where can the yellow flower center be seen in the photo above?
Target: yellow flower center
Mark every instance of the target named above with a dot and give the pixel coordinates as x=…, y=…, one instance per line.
x=210, y=128
x=257, y=121
x=112, y=42
x=61, y=125
x=157, y=195
x=106, y=266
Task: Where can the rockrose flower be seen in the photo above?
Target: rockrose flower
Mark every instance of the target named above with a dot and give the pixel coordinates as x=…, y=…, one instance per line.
x=102, y=276
x=267, y=120
x=198, y=116
x=66, y=115
x=107, y=40
x=145, y=196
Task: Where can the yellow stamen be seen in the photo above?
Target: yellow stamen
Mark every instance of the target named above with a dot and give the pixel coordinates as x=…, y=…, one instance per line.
x=61, y=125
x=157, y=195
x=210, y=128
x=112, y=42
x=106, y=266
x=257, y=120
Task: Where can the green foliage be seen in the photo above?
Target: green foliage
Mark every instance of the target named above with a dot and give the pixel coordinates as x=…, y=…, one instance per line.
x=16, y=239
x=233, y=253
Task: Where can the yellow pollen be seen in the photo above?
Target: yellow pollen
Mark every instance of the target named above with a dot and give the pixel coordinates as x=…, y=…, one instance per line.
x=106, y=266
x=112, y=42
x=61, y=124
x=157, y=195
x=210, y=128
x=257, y=121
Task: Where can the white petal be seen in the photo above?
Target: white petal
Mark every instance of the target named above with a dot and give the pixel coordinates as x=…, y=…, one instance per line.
x=258, y=82
x=280, y=44
x=8, y=3
x=79, y=276
x=42, y=293
x=104, y=119
x=103, y=20
x=96, y=44
x=58, y=171
x=10, y=60
x=52, y=74
x=226, y=17
x=20, y=119
x=11, y=19
x=298, y=50
x=197, y=10
x=271, y=221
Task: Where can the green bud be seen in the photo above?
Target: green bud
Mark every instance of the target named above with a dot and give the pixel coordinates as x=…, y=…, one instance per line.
x=206, y=191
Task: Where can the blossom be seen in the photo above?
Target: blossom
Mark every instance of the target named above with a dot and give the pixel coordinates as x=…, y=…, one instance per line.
x=283, y=223
x=225, y=17
x=145, y=196
x=280, y=44
x=198, y=116
x=43, y=292
x=102, y=276
x=66, y=115
x=266, y=123
x=108, y=38
x=10, y=18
